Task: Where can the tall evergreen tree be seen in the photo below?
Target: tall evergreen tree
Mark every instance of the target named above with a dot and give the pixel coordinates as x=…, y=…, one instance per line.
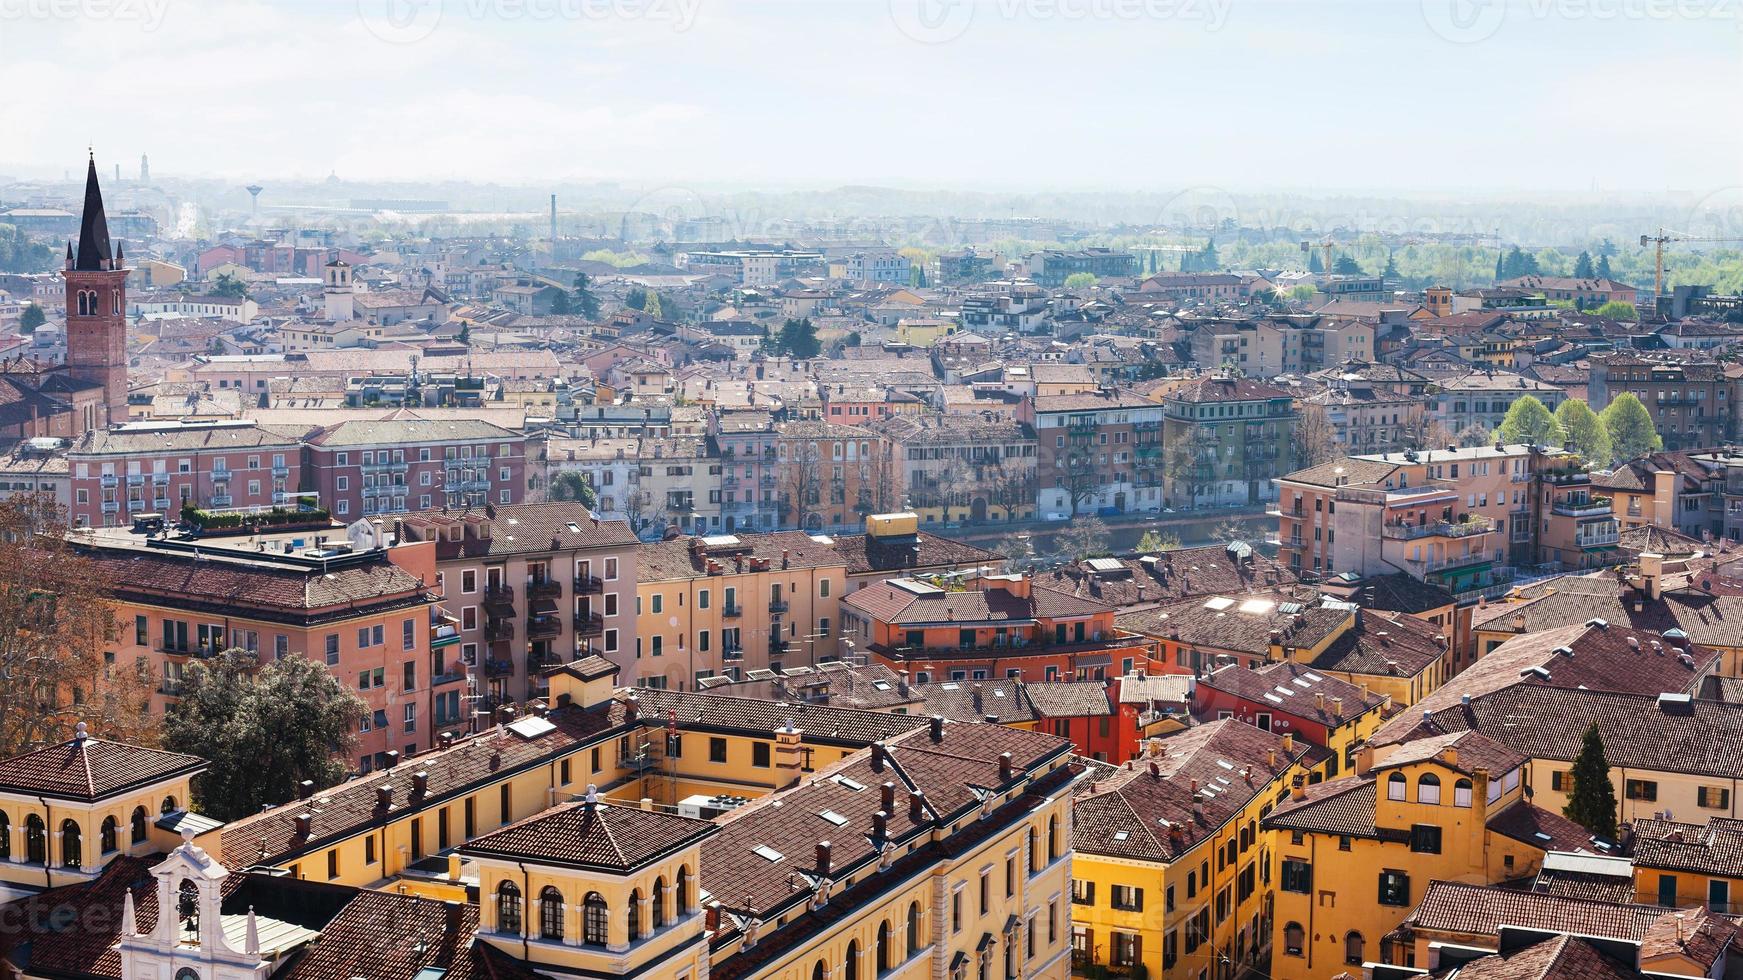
x=1314, y=265
x=1603, y=267
x=1592, y=802
x=1583, y=268
x=1500, y=267
x=1391, y=272
x=584, y=301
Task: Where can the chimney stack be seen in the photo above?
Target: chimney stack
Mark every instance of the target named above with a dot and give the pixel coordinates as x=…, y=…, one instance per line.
x=877, y=757
x=917, y=806
x=303, y=820
x=880, y=826
x=384, y=797
x=1006, y=768
x=823, y=857
x=937, y=729
x=887, y=797
x=420, y=783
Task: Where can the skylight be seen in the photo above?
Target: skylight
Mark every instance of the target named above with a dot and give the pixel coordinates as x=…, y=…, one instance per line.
x=1219, y=603
x=767, y=853
x=846, y=783
x=1258, y=607
x=833, y=817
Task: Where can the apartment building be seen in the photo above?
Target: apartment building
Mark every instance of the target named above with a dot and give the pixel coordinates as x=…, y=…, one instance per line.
x=750, y=470
x=357, y=604
x=1689, y=400
x=1229, y=440
x=726, y=605
x=1099, y=451
x=1170, y=874
x=529, y=587
x=118, y=473
x=991, y=627
x=1478, y=402
x=367, y=467
x=962, y=466
x=1051, y=267
x=830, y=477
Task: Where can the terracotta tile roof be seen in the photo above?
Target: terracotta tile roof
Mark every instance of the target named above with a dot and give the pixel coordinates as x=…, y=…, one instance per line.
x=1468, y=753
x=520, y=529
x=218, y=582
x=1556, y=958
x=1337, y=806
x=1215, y=389
x=860, y=554
x=406, y=431
x=1715, y=848
x=1069, y=699
x=1242, y=625
x=1006, y=700
x=891, y=603
x=1203, y=778
x=1409, y=646
x=92, y=769
x=1696, y=933
x=1341, y=472
x=1172, y=576
x=1584, y=885
x=1400, y=593
x=1294, y=689
x=1533, y=825
x=593, y=836
x=189, y=438
x=1479, y=910
x=1709, y=620
x=708, y=711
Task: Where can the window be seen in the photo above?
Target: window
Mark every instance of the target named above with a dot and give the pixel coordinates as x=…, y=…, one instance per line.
x=595, y=918
x=1713, y=797
x=1297, y=876
x=1396, y=786
x=1642, y=789
x=109, y=838
x=1462, y=793
x=717, y=750
x=1425, y=839
x=1394, y=888
x=1428, y=789
x=550, y=913
x=508, y=908
x=1354, y=949
x=759, y=755
x=1126, y=949
x=139, y=823
x=1127, y=898
x=1294, y=938
x=1082, y=892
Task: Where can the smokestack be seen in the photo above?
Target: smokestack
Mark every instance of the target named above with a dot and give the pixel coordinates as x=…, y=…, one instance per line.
x=1005, y=768
x=553, y=225
x=877, y=759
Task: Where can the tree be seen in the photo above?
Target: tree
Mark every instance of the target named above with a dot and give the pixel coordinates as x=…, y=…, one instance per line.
x=1346, y=266
x=653, y=307
x=1584, y=433
x=797, y=339
x=54, y=621
x=1314, y=265
x=636, y=298
x=1154, y=542
x=853, y=339
x=228, y=285
x=1475, y=434
x=264, y=729
x=1230, y=531
x=1423, y=431
x=1083, y=537
x=801, y=492
x=465, y=336
x=1603, y=267
x=1302, y=293
x=1315, y=439
x=1011, y=486
x=1189, y=467
x=1390, y=274
x=1018, y=549
x=32, y=318
x=1583, y=268
x=571, y=485
x=560, y=304
x=1592, y=803
x=1632, y=434
x=1619, y=310
x=584, y=301
x=1079, y=280
x=1528, y=420
x=1500, y=266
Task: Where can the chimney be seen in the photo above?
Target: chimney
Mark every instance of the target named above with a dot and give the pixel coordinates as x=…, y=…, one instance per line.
x=880, y=826
x=383, y=797
x=305, y=789
x=1480, y=797
x=711, y=918
x=631, y=711
x=1319, y=700
x=917, y=806
x=1337, y=707
x=420, y=783
x=823, y=857
x=1271, y=758
x=887, y=797
x=877, y=759
x=303, y=821
x=1652, y=574
x=1364, y=759
x=1298, y=787
x=937, y=729
x=1005, y=768
x=1289, y=744
x=392, y=758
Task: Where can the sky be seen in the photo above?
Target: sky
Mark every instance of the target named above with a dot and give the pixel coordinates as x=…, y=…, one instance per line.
x=1446, y=96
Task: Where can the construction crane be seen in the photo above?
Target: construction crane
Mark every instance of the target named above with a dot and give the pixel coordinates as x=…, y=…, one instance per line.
x=1659, y=241
x=1308, y=247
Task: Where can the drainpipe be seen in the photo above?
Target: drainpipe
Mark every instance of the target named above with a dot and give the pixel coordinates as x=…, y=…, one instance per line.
x=526, y=885
x=47, y=845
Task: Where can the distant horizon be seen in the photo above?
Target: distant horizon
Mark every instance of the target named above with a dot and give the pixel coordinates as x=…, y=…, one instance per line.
x=1375, y=97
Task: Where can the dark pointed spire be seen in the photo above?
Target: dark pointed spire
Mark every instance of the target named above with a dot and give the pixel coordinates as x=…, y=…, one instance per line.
x=94, y=249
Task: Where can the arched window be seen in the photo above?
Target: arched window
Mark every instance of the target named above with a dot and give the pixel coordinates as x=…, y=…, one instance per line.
x=72, y=849
x=1355, y=949
x=1428, y=788
x=635, y=915
x=110, y=839
x=850, y=968
x=139, y=821
x=682, y=898
x=1034, y=850
x=550, y=913
x=913, y=928
x=659, y=915
x=508, y=908
x=187, y=973
x=1053, y=837
x=1396, y=786
x=84, y=304
x=883, y=947
x=169, y=805
x=188, y=907
x=1462, y=792
x=595, y=920
x=1294, y=937
x=5, y=835
x=35, y=840
x=819, y=972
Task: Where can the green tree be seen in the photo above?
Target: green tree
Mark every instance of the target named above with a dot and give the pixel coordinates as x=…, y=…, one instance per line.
x=1603, y=267
x=853, y=339
x=1632, y=434
x=228, y=285
x=571, y=485
x=1078, y=280
x=1473, y=435
x=1084, y=537
x=1346, y=266
x=560, y=304
x=1583, y=432
x=32, y=318
x=1583, y=268
x=1618, y=310
x=584, y=302
x=654, y=308
x=636, y=298
x=1314, y=265
x=1302, y=293
x=1154, y=542
x=1390, y=274
x=264, y=729
x=1207, y=258
x=1500, y=266
x=1592, y=803
x=798, y=338
x=465, y=336
x=1528, y=420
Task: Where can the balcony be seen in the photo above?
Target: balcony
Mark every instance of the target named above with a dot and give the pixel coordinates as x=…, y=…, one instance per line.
x=111, y=506
x=499, y=629
x=444, y=635
x=777, y=606
x=1452, y=562
x=1601, y=539
x=384, y=467
x=220, y=500
x=548, y=588
x=136, y=479
x=161, y=479
x=589, y=585
x=1595, y=507
x=731, y=610
x=161, y=505
x=543, y=627
x=109, y=480
x=499, y=595
x=1437, y=529
x=589, y=624
x=134, y=506
x=221, y=476
x=778, y=647
x=731, y=655
x=281, y=472
x=544, y=661
x=494, y=667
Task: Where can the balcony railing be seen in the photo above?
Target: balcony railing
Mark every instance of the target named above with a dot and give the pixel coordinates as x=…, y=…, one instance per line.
x=498, y=668
x=281, y=472
x=731, y=654
x=1599, y=540
x=777, y=605
x=549, y=588
x=109, y=480
x=136, y=479
x=499, y=629
x=731, y=610
x=1595, y=507
x=111, y=506
x=500, y=594
x=1452, y=561
x=221, y=500
x=589, y=585
x=543, y=627
x=1437, y=529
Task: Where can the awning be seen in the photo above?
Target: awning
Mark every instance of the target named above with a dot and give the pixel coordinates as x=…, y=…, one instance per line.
x=1096, y=660
x=543, y=607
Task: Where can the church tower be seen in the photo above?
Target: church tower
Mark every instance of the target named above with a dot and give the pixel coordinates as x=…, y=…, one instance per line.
x=96, y=280
x=340, y=301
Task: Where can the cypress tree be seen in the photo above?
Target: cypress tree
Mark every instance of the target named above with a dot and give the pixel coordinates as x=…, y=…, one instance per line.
x=1592, y=804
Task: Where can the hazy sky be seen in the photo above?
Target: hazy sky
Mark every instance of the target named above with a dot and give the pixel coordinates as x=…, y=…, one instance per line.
x=1446, y=95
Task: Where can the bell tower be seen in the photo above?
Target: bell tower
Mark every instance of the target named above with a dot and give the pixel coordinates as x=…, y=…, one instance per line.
x=96, y=281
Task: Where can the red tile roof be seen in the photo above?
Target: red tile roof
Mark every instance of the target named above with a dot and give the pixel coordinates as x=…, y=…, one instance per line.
x=92, y=769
